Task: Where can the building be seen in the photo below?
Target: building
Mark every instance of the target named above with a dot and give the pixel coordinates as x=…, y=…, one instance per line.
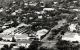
x=69, y=36
x=21, y=37
x=72, y=27
x=40, y=33
x=1, y=46
x=32, y=4
x=1, y=9
x=6, y=43
x=22, y=24
x=48, y=9
x=7, y=38
x=9, y=31
x=15, y=48
x=20, y=29
x=76, y=10
x=3, y=35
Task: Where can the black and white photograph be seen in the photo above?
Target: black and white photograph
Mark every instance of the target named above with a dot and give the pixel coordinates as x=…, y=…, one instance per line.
x=39, y=24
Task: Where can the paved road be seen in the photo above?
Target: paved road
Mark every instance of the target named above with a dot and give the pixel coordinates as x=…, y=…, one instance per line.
x=60, y=23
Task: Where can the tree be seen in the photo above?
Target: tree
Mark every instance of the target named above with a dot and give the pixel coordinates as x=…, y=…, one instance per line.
x=11, y=46
x=1, y=39
x=66, y=45
x=34, y=45
x=5, y=47
x=21, y=48
x=13, y=39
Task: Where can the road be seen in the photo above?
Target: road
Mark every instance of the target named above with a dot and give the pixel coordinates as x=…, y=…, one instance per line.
x=60, y=23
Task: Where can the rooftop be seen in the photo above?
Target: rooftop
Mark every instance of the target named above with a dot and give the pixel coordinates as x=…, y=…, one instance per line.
x=69, y=36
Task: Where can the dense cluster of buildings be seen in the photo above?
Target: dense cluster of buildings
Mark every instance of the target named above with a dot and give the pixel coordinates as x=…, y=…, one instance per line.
x=25, y=22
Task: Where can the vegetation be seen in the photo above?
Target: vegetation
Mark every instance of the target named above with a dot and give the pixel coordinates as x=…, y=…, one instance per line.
x=66, y=45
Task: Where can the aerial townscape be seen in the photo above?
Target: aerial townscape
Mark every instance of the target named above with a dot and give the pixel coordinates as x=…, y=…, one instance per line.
x=39, y=24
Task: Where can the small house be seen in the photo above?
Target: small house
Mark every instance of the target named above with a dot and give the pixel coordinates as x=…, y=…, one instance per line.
x=48, y=9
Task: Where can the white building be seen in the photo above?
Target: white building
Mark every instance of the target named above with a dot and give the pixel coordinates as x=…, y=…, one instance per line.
x=41, y=33
x=7, y=38
x=40, y=17
x=1, y=46
x=7, y=43
x=22, y=24
x=3, y=27
x=21, y=37
x=15, y=48
x=55, y=2
x=32, y=4
x=14, y=13
x=71, y=37
x=27, y=45
x=9, y=31
x=1, y=10
x=72, y=27
x=48, y=9
x=25, y=4
x=76, y=10
x=22, y=44
x=10, y=22
x=19, y=10
x=75, y=1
